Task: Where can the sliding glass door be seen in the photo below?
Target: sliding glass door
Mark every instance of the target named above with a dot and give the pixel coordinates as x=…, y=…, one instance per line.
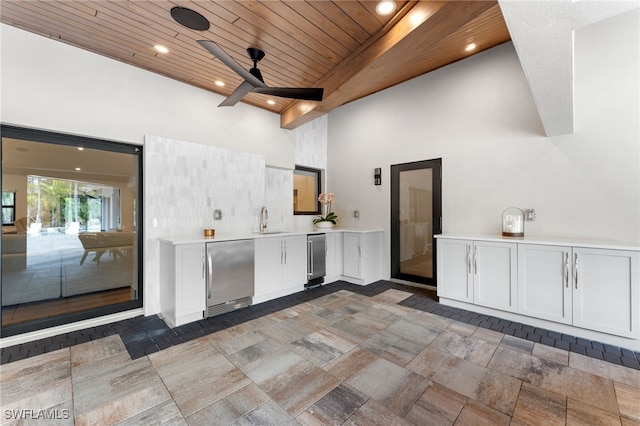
x=72, y=248
x=416, y=206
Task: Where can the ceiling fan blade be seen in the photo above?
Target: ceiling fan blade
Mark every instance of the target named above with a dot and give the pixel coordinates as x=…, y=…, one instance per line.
x=216, y=51
x=309, y=94
x=237, y=94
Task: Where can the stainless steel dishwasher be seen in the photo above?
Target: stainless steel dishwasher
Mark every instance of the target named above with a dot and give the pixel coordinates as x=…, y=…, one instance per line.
x=230, y=279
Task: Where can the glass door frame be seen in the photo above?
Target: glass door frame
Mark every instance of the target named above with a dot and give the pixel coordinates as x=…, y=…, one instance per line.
x=35, y=135
x=436, y=166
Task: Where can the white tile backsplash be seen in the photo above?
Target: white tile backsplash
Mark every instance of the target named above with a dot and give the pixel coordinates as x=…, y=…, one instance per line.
x=183, y=183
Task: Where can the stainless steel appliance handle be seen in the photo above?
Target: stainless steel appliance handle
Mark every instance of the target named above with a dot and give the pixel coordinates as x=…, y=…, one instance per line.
x=310, y=257
x=210, y=278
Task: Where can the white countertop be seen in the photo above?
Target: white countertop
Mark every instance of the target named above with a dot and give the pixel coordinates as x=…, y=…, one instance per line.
x=190, y=239
x=575, y=242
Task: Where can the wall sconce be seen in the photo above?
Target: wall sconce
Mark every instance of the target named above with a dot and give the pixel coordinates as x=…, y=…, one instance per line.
x=377, y=176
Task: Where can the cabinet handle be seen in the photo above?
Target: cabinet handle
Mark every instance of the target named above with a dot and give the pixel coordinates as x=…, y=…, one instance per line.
x=281, y=252
x=359, y=250
x=576, y=268
x=475, y=259
x=468, y=259
x=285, y=252
x=566, y=270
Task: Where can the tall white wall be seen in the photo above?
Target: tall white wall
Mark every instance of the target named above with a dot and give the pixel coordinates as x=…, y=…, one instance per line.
x=479, y=117
x=50, y=85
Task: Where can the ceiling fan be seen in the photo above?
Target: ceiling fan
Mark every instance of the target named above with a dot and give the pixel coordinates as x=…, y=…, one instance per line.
x=253, y=81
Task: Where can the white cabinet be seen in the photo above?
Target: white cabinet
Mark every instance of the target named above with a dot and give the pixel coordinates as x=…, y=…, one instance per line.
x=333, y=256
x=606, y=291
x=182, y=282
x=479, y=272
x=544, y=282
x=362, y=256
x=495, y=275
x=280, y=266
x=595, y=289
x=455, y=270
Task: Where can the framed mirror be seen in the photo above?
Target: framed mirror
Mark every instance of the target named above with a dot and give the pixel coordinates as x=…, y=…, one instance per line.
x=306, y=189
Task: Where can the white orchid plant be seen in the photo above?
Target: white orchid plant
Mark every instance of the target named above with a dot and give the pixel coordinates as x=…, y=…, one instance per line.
x=326, y=199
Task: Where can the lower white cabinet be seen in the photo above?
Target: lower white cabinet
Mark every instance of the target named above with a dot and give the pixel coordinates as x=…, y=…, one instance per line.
x=606, y=291
x=280, y=266
x=361, y=257
x=479, y=272
x=182, y=282
x=596, y=289
x=545, y=282
x=333, y=256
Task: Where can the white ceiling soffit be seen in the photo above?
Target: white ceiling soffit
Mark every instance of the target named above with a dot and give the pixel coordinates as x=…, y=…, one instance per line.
x=542, y=33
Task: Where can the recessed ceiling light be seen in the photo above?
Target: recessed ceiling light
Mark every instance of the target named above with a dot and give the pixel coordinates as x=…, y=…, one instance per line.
x=385, y=7
x=271, y=102
x=219, y=83
x=160, y=48
x=78, y=169
x=80, y=148
x=470, y=47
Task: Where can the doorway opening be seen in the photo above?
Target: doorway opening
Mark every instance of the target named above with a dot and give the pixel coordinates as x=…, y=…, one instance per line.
x=416, y=216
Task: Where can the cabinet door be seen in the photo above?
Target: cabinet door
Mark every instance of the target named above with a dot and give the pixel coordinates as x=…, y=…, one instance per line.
x=294, y=261
x=333, y=255
x=606, y=293
x=494, y=275
x=352, y=252
x=269, y=258
x=190, y=279
x=455, y=269
x=544, y=282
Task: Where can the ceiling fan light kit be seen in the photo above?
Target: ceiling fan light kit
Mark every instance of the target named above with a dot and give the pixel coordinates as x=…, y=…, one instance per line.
x=253, y=81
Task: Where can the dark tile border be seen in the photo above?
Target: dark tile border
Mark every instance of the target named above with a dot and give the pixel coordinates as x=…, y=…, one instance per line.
x=145, y=335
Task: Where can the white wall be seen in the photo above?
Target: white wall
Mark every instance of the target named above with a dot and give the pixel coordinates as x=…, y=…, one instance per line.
x=50, y=85
x=479, y=117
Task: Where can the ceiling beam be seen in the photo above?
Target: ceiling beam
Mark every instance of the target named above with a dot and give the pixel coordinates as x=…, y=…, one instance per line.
x=424, y=24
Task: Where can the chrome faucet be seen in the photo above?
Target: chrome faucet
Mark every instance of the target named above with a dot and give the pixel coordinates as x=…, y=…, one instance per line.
x=264, y=219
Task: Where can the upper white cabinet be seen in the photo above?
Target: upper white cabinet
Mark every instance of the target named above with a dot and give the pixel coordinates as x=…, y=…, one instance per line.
x=182, y=282
x=280, y=266
x=478, y=272
x=362, y=256
x=596, y=289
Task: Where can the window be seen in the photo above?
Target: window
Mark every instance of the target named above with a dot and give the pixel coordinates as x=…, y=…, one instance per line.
x=306, y=189
x=8, y=207
x=77, y=252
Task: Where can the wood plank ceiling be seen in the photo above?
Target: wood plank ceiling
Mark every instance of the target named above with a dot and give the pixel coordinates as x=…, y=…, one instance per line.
x=343, y=46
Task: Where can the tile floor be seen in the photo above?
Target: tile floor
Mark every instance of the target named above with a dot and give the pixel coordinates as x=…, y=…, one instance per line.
x=340, y=358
